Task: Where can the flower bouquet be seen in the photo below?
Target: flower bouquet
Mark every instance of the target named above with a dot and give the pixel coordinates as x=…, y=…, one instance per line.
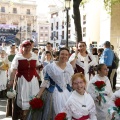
x=100, y=86
x=117, y=109
x=61, y=116
x=36, y=105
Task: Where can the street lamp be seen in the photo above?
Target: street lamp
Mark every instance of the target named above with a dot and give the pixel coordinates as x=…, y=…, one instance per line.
x=67, y=7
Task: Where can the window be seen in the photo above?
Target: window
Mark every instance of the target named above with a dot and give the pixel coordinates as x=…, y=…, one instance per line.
x=84, y=17
x=68, y=31
x=41, y=34
x=57, y=35
x=14, y=10
x=46, y=28
x=57, y=25
x=84, y=29
x=28, y=11
x=62, y=34
x=84, y=35
x=62, y=24
x=46, y=34
x=2, y=9
x=51, y=26
x=52, y=36
x=41, y=27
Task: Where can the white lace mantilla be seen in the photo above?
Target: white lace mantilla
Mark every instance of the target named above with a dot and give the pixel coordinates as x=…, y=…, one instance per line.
x=59, y=76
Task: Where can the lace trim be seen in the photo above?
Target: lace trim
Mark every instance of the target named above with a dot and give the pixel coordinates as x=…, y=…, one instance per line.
x=45, y=83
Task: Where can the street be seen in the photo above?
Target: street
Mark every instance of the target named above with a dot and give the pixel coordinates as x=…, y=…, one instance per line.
x=3, y=110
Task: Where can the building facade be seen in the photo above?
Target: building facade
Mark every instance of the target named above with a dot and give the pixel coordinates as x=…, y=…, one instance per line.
x=21, y=14
x=58, y=27
x=43, y=30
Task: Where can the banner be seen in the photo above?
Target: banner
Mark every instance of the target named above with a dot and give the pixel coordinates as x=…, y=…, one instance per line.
x=35, y=38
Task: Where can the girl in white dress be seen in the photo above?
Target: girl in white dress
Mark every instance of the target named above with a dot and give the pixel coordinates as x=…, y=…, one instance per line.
x=56, y=87
x=4, y=65
x=80, y=105
x=101, y=98
x=113, y=113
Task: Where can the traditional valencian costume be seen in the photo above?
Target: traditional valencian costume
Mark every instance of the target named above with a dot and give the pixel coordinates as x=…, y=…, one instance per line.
x=4, y=63
x=58, y=90
x=105, y=94
x=80, y=107
x=27, y=82
x=83, y=64
x=113, y=106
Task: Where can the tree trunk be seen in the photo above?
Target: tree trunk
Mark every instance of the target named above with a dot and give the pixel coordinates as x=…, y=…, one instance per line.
x=77, y=20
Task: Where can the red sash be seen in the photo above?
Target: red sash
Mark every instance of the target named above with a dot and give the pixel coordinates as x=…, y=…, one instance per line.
x=83, y=118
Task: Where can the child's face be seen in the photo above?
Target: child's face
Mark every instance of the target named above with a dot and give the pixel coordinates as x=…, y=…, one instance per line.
x=79, y=85
x=104, y=70
x=48, y=56
x=2, y=55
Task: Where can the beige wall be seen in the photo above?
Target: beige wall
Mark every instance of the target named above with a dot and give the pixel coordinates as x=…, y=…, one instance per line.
x=21, y=18
x=115, y=26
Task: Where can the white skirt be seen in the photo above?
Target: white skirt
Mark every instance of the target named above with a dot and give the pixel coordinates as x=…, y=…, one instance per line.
x=26, y=91
x=3, y=80
x=59, y=99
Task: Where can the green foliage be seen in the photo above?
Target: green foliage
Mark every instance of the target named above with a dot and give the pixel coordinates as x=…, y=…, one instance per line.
x=109, y=3
x=83, y=2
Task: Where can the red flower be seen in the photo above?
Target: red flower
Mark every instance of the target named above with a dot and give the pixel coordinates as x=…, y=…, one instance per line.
x=61, y=116
x=99, y=84
x=117, y=102
x=36, y=103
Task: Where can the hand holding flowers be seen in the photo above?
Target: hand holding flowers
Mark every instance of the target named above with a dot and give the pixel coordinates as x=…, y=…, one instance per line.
x=100, y=86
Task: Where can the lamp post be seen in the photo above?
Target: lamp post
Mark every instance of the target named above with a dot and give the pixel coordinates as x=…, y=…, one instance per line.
x=67, y=7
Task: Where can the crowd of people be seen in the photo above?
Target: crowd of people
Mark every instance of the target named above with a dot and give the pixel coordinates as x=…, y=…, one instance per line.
x=79, y=84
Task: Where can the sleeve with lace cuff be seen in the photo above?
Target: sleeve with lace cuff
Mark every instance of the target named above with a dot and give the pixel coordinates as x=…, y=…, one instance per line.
x=45, y=84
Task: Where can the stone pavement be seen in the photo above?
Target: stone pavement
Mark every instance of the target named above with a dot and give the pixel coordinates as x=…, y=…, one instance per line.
x=3, y=109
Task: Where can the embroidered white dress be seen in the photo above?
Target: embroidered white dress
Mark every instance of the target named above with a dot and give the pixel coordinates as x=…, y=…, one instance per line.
x=3, y=74
x=26, y=90
x=85, y=63
x=102, y=109
x=61, y=78
x=112, y=104
x=78, y=106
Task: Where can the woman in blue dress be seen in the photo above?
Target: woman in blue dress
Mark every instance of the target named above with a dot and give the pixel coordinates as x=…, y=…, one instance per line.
x=56, y=88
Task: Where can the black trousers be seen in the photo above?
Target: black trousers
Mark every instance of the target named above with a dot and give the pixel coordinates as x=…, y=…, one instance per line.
x=109, y=72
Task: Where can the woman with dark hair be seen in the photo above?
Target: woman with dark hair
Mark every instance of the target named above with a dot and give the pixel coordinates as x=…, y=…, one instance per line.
x=23, y=69
x=56, y=87
x=82, y=61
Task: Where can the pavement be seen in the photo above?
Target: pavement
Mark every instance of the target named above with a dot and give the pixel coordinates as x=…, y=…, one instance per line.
x=3, y=110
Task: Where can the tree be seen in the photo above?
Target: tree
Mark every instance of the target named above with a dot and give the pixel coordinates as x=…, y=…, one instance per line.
x=77, y=19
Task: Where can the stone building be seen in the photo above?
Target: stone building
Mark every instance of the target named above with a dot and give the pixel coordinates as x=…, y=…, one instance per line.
x=22, y=14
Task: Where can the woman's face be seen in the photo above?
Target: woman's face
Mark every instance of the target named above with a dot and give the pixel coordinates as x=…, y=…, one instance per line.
x=64, y=55
x=27, y=49
x=79, y=85
x=104, y=71
x=82, y=47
